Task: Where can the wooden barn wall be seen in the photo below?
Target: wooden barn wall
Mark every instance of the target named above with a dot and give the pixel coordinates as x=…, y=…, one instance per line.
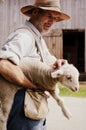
x=54, y=42
x=11, y=18
x=77, y=10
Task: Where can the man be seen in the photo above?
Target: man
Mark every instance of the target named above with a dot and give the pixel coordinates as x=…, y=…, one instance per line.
x=21, y=43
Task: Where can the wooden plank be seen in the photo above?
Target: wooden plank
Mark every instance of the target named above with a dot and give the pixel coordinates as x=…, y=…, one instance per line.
x=54, y=42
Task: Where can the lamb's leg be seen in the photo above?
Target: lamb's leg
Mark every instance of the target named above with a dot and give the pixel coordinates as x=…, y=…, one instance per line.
x=2, y=126
x=3, y=119
x=5, y=107
x=60, y=102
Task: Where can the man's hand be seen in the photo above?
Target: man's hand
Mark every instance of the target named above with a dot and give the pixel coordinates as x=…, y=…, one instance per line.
x=58, y=63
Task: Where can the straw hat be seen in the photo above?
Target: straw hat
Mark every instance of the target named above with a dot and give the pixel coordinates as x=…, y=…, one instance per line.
x=51, y=5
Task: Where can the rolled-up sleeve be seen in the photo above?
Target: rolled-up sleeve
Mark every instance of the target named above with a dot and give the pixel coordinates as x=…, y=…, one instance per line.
x=16, y=46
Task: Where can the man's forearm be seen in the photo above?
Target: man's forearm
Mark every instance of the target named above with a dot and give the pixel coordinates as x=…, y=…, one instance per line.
x=14, y=74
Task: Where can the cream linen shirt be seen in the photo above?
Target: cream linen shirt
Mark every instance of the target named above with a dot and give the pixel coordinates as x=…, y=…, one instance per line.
x=21, y=43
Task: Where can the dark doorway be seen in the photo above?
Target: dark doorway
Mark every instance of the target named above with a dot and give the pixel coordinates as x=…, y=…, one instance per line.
x=74, y=47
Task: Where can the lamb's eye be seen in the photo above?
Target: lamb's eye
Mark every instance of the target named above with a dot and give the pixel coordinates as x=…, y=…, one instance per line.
x=68, y=77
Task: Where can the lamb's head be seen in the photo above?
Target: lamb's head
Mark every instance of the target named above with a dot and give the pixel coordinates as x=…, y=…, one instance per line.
x=68, y=75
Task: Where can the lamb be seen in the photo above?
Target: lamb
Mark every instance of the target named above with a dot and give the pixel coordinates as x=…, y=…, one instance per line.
x=44, y=75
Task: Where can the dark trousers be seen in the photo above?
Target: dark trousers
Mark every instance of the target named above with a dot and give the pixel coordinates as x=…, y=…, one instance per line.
x=17, y=119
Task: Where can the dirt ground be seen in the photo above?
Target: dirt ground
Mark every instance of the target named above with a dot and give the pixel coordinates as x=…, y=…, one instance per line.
x=57, y=121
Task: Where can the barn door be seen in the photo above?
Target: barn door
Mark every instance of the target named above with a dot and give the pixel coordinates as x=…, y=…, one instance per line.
x=54, y=42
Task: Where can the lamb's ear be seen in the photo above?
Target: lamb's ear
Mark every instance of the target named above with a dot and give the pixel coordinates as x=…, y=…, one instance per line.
x=56, y=74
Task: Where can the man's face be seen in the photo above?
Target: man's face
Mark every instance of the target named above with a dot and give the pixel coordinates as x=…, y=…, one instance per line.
x=45, y=20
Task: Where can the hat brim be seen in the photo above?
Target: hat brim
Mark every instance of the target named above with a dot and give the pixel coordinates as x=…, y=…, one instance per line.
x=63, y=16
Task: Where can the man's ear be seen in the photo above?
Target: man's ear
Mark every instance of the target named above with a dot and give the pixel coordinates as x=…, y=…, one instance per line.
x=57, y=74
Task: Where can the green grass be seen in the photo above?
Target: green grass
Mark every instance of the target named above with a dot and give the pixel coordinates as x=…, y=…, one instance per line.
x=66, y=92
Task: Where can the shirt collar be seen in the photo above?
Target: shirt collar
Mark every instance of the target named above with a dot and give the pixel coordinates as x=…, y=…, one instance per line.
x=35, y=30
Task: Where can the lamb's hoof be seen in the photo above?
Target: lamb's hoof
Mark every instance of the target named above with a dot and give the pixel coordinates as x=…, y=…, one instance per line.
x=67, y=114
